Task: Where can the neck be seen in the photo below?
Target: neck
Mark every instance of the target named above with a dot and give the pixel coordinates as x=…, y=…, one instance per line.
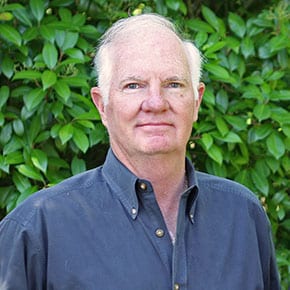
x=166, y=172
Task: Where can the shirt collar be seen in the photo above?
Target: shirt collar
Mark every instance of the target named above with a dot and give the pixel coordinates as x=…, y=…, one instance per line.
x=125, y=184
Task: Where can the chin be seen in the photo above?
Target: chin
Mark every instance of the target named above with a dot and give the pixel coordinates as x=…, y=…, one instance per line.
x=157, y=150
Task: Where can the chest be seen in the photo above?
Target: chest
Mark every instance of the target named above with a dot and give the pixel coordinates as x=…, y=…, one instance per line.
x=122, y=253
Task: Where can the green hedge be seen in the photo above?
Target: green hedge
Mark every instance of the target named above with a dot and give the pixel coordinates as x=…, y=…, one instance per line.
x=51, y=130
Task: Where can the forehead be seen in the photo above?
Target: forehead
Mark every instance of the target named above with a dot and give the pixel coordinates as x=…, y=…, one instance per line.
x=150, y=48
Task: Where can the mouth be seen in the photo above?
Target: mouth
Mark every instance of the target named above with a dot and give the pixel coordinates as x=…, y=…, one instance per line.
x=155, y=124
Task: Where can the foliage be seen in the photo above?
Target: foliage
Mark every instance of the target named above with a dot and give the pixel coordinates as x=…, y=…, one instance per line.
x=50, y=129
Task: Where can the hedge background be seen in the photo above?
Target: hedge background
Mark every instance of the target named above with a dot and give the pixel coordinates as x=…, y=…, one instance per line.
x=50, y=130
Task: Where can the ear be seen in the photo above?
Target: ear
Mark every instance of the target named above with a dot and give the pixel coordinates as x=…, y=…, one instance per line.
x=99, y=103
x=200, y=91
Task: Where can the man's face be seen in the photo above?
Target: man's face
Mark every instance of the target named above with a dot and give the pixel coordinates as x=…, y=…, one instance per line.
x=151, y=105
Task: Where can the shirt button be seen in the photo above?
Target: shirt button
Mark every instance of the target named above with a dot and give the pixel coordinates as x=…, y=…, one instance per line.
x=134, y=210
x=159, y=233
x=143, y=185
x=176, y=286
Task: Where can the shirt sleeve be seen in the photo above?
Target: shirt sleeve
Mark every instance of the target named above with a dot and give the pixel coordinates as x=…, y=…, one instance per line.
x=273, y=270
x=20, y=264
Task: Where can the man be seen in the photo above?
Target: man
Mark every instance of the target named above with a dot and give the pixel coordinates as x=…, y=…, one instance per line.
x=145, y=220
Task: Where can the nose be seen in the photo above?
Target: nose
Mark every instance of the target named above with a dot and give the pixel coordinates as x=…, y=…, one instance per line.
x=155, y=101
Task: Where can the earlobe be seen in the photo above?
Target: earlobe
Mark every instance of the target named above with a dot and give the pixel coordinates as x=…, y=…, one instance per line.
x=99, y=103
x=200, y=91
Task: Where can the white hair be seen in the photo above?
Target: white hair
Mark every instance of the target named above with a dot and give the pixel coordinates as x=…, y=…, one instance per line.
x=103, y=59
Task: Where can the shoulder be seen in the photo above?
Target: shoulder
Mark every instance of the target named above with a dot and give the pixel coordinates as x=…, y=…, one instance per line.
x=232, y=201
x=225, y=189
x=67, y=194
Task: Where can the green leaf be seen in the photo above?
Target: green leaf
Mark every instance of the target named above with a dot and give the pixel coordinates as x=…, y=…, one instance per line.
x=6, y=133
x=262, y=112
x=252, y=92
x=18, y=127
x=279, y=42
x=255, y=79
x=80, y=139
x=276, y=75
x=207, y=141
x=275, y=145
x=7, y=66
x=13, y=145
x=22, y=15
x=50, y=55
x=34, y=98
x=4, y=93
x=37, y=8
x=29, y=172
x=78, y=166
x=210, y=17
x=48, y=79
x=215, y=47
x=273, y=164
x=232, y=137
x=9, y=33
x=75, y=53
x=66, y=40
x=47, y=33
x=283, y=95
x=27, y=75
x=63, y=90
x=2, y=119
x=6, y=192
x=30, y=34
x=257, y=133
x=89, y=29
x=198, y=25
x=217, y=70
x=15, y=157
x=34, y=129
x=76, y=82
x=238, y=123
x=237, y=24
x=215, y=153
x=222, y=101
x=86, y=124
x=244, y=177
x=280, y=115
x=66, y=133
x=265, y=51
x=98, y=135
x=260, y=181
x=247, y=47
x=200, y=38
x=233, y=43
x=39, y=159
x=172, y=4
x=222, y=126
x=4, y=166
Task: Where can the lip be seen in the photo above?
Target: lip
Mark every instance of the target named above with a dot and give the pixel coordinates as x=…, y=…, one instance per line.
x=155, y=124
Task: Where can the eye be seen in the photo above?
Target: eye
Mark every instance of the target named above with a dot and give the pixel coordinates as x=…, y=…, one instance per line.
x=175, y=85
x=132, y=86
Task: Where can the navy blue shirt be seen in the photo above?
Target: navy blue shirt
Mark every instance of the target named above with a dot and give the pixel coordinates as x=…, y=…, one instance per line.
x=103, y=230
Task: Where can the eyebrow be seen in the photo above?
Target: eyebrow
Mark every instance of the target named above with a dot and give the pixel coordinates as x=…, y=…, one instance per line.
x=179, y=79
